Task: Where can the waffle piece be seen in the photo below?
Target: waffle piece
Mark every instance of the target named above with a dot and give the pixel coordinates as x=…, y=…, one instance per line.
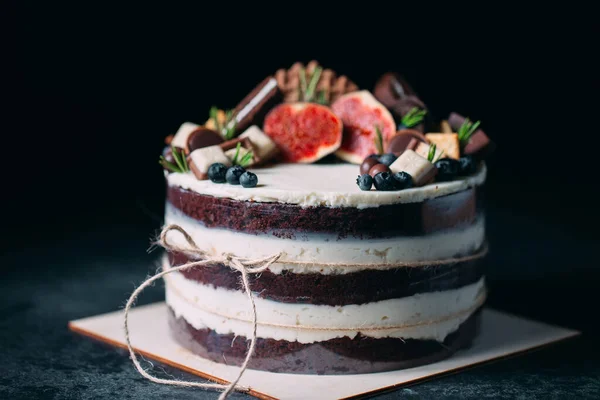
x=329, y=86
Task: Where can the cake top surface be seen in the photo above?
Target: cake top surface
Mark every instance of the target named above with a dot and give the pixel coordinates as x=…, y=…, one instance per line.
x=328, y=185
x=287, y=140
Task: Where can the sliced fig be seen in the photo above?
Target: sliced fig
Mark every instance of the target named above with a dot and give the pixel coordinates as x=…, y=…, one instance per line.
x=304, y=132
x=361, y=114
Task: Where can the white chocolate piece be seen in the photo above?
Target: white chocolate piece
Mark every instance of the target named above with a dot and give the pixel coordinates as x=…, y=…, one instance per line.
x=422, y=149
x=264, y=147
x=448, y=142
x=181, y=137
x=421, y=170
x=201, y=159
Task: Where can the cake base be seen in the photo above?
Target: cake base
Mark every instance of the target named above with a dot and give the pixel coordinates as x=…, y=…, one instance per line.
x=501, y=335
x=359, y=355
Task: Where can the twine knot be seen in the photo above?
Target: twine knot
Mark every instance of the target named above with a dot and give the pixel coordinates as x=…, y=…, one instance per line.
x=201, y=258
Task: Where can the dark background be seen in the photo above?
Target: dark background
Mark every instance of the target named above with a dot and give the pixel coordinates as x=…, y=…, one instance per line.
x=90, y=92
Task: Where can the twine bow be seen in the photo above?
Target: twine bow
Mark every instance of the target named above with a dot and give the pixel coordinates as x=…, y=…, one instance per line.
x=245, y=266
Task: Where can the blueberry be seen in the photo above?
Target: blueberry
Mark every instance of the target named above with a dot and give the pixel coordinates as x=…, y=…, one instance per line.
x=248, y=179
x=364, y=182
x=216, y=172
x=404, y=180
x=233, y=174
x=385, y=181
x=376, y=156
x=448, y=169
x=387, y=159
x=467, y=165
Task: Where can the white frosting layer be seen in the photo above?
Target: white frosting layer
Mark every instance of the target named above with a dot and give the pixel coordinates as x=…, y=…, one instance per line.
x=312, y=253
x=422, y=316
x=330, y=185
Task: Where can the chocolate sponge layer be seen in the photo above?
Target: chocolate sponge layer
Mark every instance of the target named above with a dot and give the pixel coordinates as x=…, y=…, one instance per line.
x=353, y=288
x=358, y=355
x=287, y=220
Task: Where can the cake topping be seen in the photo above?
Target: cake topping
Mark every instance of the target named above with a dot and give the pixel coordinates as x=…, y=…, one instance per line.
x=364, y=181
x=202, y=137
x=397, y=95
x=384, y=181
x=448, y=169
x=378, y=168
x=447, y=142
x=232, y=176
x=421, y=170
x=312, y=83
x=404, y=180
x=368, y=163
x=264, y=148
x=248, y=179
x=304, y=132
x=222, y=122
x=181, y=137
x=238, y=149
x=201, y=159
x=477, y=143
x=255, y=106
x=412, y=118
x=405, y=139
x=217, y=172
x=307, y=112
x=362, y=115
x=174, y=161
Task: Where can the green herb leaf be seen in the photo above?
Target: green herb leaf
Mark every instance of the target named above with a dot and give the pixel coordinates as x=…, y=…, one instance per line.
x=312, y=85
x=177, y=156
x=213, y=114
x=321, y=99
x=303, y=86
x=246, y=159
x=237, y=153
x=413, y=117
x=466, y=130
x=378, y=140
x=431, y=153
x=168, y=165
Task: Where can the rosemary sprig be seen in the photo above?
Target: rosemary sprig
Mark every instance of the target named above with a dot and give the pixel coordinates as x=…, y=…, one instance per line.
x=466, y=130
x=246, y=158
x=413, y=117
x=312, y=85
x=378, y=140
x=237, y=154
x=180, y=165
x=321, y=97
x=227, y=130
x=431, y=153
x=307, y=88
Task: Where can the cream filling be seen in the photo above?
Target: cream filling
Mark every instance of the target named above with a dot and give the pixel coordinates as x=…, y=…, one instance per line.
x=324, y=253
x=329, y=185
x=422, y=316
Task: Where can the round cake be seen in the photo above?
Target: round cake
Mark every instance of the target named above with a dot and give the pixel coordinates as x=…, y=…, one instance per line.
x=380, y=265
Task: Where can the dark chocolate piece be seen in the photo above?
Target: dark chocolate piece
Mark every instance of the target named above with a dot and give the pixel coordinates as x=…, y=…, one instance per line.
x=203, y=137
x=378, y=168
x=359, y=355
x=480, y=145
x=405, y=139
x=255, y=106
x=392, y=87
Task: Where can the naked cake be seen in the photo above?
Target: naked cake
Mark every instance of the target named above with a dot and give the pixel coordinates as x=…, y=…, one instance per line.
x=375, y=210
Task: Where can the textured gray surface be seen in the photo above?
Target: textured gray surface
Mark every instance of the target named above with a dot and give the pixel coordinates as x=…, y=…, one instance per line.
x=45, y=287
